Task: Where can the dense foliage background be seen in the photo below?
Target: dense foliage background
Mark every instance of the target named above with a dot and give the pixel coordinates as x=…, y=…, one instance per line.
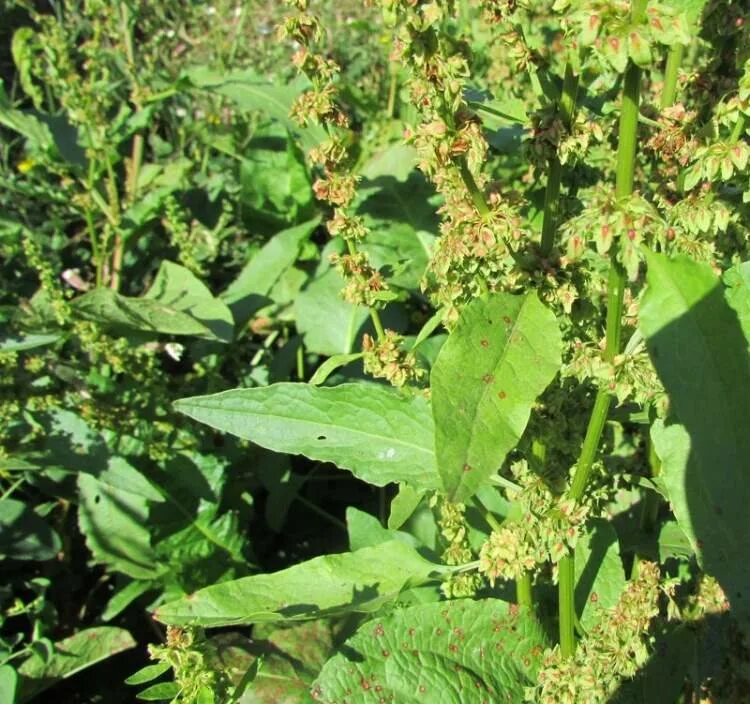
x=185, y=193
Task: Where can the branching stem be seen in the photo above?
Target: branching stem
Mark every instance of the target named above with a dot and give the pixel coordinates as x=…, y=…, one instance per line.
x=625, y=177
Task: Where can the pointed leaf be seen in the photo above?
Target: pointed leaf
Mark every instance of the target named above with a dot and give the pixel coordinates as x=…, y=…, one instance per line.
x=375, y=432
x=600, y=577
x=456, y=652
x=504, y=352
x=701, y=355
x=177, y=304
x=70, y=656
x=356, y=581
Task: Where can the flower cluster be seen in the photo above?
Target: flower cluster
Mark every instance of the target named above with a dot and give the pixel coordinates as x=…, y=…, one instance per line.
x=630, y=376
x=477, y=226
x=546, y=529
x=190, y=656
x=606, y=27
x=630, y=223
x=550, y=138
x=452, y=525
x=337, y=183
x=387, y=359
x=611, y=652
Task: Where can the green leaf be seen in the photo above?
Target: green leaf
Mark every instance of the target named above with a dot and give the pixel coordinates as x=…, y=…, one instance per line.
x=159, y=692
x=275, y=187
x=251, y=92
x=24, y=535
x=403, y=505
x=503, y=353
x=190, y=533
x=737, y=280
x=177, y=304
x=673, y=542
x=600, y=577
x=123, y=598
x=357, y=581
x=248, y=292
x=378, y=434
x=69, y=657
x=279, y=662
x=148, y=673
x=455, y=652
x=366, y=531
x=328, y=324
x=113, y=515
x=26, y=124
x=401, y=216
x=331, y=365
x=699, y=350
x=27, y=342
x=8, y=684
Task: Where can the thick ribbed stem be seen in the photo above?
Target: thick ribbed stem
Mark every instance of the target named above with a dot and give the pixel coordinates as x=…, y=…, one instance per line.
x=625, y=177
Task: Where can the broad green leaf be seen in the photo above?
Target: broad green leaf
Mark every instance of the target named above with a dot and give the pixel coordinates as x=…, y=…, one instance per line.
x=33, y=129
x=27, y=342
x=24, y=535
x=327, y=323
x=737, y=280
x=177, y=287
x=252, y=92
x=697, y=345
x=358, y=581
x=600, y=577
x=113, y=516
x=177, y=304
x=504, y=352
x=673, y=542
x=455, y=652
x=70, y=656
x=374, y=431
x=191, y=534
x=403, y=505
x=148, y=673
x=495, y=110
x=366, y=531
x=8, y=684
x=401, y=217
x=280, y=662
x=396, y=161
x=275, y=186
x=248, y=292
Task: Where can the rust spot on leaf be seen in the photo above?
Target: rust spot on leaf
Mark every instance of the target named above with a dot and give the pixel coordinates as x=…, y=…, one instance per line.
x=502, y=395
x=485, y=343
x=488, y=378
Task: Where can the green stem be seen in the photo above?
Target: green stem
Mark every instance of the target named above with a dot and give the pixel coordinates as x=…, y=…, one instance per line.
x=566, y=110
x=524, y=595
x=567, y=612
x=477, y=197
x=671, y=74
x=392, y=90
x=624, y=180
